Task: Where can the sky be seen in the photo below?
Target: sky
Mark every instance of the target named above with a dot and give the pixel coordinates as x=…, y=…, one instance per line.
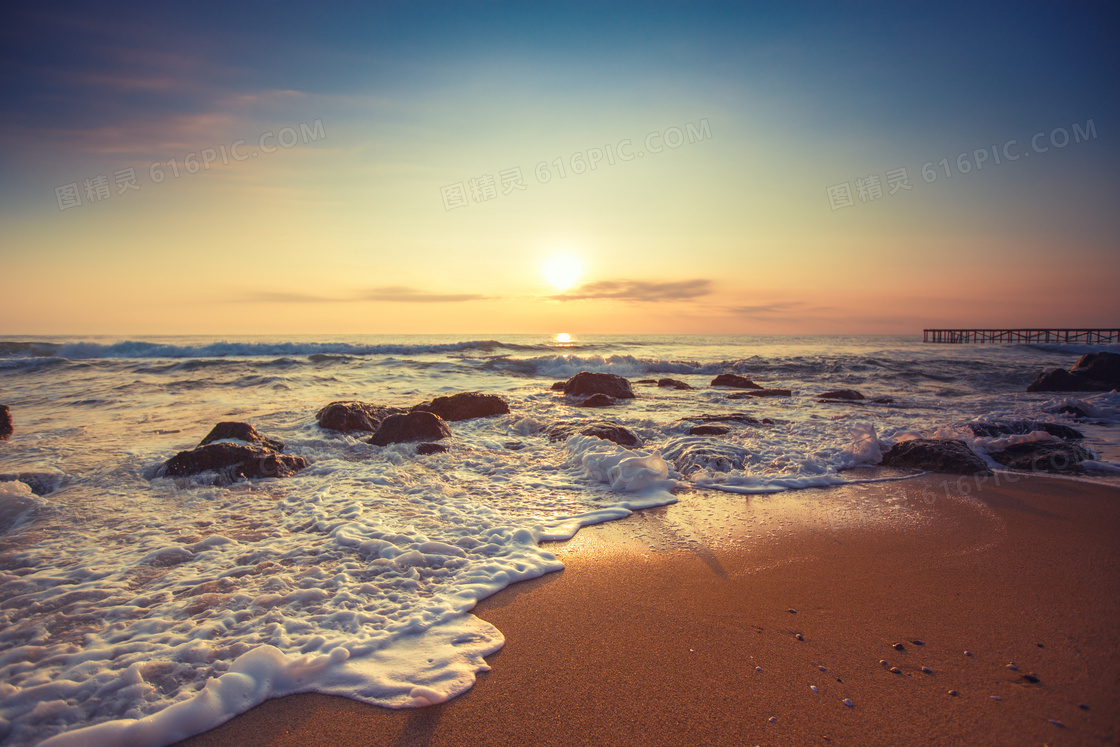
x=495, y=168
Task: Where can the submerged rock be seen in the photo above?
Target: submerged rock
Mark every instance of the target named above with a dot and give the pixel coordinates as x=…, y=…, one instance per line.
x=411, y=426
x=430, y=448
x=734, y=380
x=597, y=400
x=6, y=427
x=936, y=455
x=231, y=461
x=465, y=406
x=1023, y=427
x=354, y=416
x=586, y=383
x=735, y=417
x=692, y=454
x=760, y=393
x=604, y=429
x=240, y=432
x=673, y=384
x=849, y=394
x=1044, y=456
x=40, y=482
x=558, y=386
x=1061, y=380
x=708, y=430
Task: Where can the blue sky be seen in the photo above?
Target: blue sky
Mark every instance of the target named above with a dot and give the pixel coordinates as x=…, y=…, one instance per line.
x=735, y=232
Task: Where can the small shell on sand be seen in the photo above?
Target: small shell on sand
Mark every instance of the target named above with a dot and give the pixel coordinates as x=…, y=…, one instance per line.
x=1012, y=667
x=953, y=693
x=758, y=669
x=792, y=611
x=996, y=697
x=895, y=670
x=968, y=653
x=772, y=719
x=847, y=702
x=813, y=688
x=898, y=647
x=883, y=662
x=1033, y=679
x=927, y=670
x=823, y=669
x=918, y=642
x=799, y=637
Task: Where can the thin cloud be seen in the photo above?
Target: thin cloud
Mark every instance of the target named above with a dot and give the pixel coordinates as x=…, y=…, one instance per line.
x=639, y=290
x=402, y=294
x=389, y=294
x=768, y=310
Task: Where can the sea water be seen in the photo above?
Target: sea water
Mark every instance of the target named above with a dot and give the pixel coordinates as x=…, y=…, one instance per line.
x=137, y=609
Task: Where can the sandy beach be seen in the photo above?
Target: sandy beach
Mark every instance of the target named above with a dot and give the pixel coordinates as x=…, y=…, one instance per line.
x=711, y=621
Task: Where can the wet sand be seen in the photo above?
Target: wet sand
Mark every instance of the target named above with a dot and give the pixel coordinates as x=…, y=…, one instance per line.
x=653, y=632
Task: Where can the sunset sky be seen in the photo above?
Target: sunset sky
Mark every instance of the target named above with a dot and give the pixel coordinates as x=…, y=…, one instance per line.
x=362, y=163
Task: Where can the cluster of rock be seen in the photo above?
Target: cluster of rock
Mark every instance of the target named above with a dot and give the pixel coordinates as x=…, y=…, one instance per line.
x=1093, y=372
x=955, y=456
x=6, y=427
x=232, y=451
x=236, y=450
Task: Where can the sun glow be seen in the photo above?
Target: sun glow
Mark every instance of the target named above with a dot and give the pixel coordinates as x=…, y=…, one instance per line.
x=563, y=271
x=562, y=339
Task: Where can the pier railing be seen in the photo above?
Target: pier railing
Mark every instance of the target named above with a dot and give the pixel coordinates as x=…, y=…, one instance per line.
x=1053, y=336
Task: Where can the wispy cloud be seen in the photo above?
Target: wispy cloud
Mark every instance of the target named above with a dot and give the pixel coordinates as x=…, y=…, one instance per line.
x=768, y=310
x=389, y=294
x=639, y=290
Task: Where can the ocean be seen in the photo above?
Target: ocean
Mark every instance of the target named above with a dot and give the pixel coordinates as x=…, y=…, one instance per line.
x=138, y=609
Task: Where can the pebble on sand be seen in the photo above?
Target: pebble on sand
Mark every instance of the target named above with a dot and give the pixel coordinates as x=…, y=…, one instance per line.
x=953, y=693
x=898, y=647
x=895, y=670
x=968, y=653
x=918, y=642
x=927, y=670
x=773, y=719
x=884, y=662
x=813, y=688
x=823, y=669
x=1012, y=667
x=1057, y=723
x=792, y=611
x=758, y=669
x=847, y=702
x=996, y=697
x=799, y=637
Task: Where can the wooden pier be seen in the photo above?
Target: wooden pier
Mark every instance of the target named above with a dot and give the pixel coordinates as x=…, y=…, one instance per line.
x=1024, y=336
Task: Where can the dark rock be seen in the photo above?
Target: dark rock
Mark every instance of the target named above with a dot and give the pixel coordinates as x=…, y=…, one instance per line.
x=1044, y=456
x=883, y=400
x=760, y=393
x=232, y=461
x=6, y=427
x=672, y=384
x=465, y=406
x=411, y=426
x=936, y=455
x=354, y=416
x=730, y=418
x=691, y=454
x=428, y=448
x=849, y=394
x=708, y=430
x=646, y=381
x=604, y=429
x=1061, y=380
x=241, y=432
x=585, y=383
x=767, y=421
x=739, y=382
x=597, y=400
x=558, y=386
x=1023, y=427
x=1103, y=367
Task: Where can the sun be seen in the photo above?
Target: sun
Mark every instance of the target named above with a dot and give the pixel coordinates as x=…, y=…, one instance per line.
x=563, y=271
